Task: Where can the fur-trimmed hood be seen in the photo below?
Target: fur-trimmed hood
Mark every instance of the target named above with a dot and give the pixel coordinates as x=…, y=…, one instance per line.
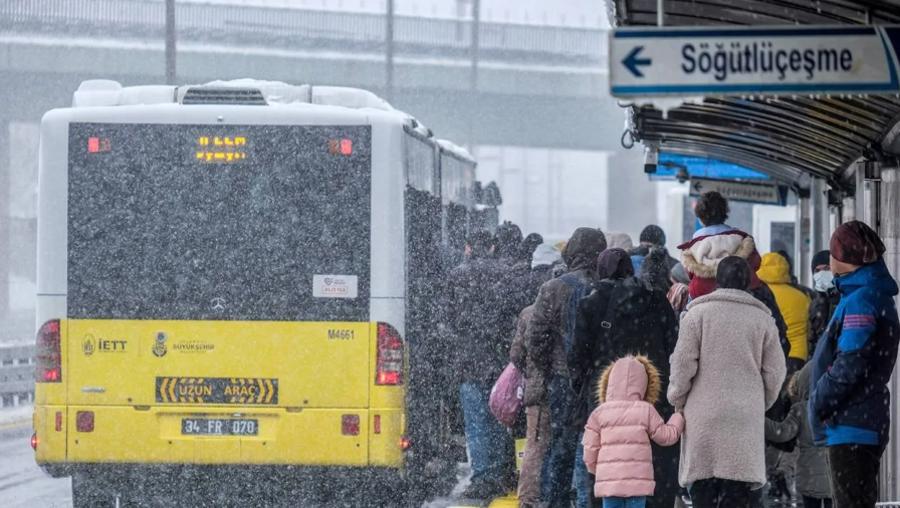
x=702, y=255
x=630, y=378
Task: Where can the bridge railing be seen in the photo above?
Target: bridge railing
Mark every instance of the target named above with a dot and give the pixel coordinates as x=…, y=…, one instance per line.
x=16, y=375
x=304, y=29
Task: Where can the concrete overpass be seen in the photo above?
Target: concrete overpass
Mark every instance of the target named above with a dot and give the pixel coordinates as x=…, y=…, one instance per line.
x=532, y=86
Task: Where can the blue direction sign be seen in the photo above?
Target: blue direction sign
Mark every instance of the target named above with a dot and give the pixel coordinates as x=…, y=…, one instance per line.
x=690, y=61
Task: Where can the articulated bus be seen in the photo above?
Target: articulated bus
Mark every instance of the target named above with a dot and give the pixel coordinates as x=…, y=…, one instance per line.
x=239, y=276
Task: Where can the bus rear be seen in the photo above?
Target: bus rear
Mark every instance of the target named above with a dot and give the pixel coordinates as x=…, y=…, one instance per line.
x=214, y=303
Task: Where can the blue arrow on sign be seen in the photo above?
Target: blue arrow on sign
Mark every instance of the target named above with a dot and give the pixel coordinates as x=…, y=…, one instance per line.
x=631, y=62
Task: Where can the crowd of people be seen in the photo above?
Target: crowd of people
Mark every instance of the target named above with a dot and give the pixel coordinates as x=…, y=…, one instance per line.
x=768, y=388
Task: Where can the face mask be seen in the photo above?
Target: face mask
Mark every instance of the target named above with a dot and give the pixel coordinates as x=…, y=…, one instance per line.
x=823, y=281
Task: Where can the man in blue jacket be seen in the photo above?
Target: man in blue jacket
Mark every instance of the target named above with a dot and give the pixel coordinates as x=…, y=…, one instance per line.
x=850, y=403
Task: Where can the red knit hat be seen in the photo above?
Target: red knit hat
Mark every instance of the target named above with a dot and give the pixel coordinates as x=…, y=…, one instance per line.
x=856, y=243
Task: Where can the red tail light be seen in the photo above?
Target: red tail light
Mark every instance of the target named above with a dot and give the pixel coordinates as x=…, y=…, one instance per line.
x=47, y=354
x=84, y=421
x=376, y=424
x=405, y=443
x=350, y=425
x=389, y=368
x=34, y=441
x=59, y=422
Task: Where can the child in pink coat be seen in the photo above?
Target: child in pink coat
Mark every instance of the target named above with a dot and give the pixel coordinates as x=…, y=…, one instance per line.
x=618, y=433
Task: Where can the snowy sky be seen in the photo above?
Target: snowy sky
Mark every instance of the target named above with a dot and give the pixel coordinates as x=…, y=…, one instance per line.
x=576, y=13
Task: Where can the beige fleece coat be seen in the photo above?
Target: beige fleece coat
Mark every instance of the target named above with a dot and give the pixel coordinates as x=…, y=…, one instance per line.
x=727, y=370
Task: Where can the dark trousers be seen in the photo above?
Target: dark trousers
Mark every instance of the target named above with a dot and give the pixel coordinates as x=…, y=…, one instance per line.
x=815, y=502
x=854, y=475
x=719, y=493
x=556, y=474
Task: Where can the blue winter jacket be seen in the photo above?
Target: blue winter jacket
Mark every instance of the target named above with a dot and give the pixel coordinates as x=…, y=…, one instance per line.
x=852, y=365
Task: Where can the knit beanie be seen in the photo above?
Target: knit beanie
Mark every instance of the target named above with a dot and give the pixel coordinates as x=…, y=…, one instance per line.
x=856, y=243
x=823, y=257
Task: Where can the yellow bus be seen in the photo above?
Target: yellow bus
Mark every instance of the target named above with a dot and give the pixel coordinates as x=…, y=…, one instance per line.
x=241, y=274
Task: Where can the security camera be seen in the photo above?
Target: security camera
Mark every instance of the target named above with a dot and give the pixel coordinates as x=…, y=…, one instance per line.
x=682, y=175
x=651, y=158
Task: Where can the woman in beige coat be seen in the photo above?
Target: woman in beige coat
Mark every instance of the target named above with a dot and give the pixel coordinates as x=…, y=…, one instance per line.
x=727, y=370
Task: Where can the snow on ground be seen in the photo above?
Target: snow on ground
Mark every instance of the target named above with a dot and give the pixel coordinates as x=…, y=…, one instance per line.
x=10, y=416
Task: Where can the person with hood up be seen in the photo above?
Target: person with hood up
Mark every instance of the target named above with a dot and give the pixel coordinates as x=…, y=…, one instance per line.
x=619, y=432
x=727, y=370
x=515, y=258
x=825, y=297
x=476, y=293
x=548, y=338
x=624, y=316
x=793, y=304
x=655, y=271
x=652, y=237
x=812, y=474
x=849, y=408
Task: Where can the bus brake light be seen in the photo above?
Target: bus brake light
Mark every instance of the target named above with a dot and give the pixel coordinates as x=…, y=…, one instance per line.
x=389, y=365
x=34, y=441
x=47, y=354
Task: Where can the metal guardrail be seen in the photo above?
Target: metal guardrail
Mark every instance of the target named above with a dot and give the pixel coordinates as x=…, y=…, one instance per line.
x=304, y=29
x=16, y=375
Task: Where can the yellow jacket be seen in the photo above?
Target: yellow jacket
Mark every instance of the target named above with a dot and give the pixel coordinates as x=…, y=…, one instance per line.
x=793, y=303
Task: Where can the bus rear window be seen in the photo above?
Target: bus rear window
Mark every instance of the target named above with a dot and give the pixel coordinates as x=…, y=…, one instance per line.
x=219, y=222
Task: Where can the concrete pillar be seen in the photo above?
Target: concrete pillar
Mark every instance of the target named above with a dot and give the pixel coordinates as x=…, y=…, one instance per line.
x=4, y=219
x=848, y=209
x=889, y=230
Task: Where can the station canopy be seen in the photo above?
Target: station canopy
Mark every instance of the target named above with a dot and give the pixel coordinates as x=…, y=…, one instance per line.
x=789, y=137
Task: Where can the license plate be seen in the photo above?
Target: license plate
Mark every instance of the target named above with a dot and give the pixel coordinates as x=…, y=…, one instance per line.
x=219, y=427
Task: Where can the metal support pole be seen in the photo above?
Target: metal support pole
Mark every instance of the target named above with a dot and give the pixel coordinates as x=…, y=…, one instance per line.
x=473, y=73
x=5, y=218
x=476, y=28
x=170, y=42
x=818, y=215
x=889, y=231
x=803, y=237
x=389, y=51
x=660, y=12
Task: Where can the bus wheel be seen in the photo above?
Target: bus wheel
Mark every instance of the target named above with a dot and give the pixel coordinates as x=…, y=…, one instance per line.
x=92, y=491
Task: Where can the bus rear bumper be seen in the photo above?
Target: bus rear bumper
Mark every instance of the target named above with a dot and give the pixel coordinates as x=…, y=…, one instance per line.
x=309, y=438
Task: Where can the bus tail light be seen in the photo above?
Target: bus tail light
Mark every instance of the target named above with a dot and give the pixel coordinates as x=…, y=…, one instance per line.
x=84, y=421
x=350, y=425
x=34, y=441
x=59, y=422
x=405, y=443
x=48, y=355
x=389, y=368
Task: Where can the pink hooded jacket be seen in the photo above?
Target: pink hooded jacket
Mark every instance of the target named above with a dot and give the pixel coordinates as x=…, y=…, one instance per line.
x=618, y=433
